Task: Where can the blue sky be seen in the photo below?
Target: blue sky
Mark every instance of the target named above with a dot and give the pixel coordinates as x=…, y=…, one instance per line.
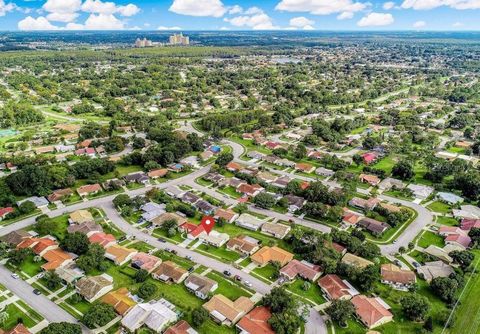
x=240, y=14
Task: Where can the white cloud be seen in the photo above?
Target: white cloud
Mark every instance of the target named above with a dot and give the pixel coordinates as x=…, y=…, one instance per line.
x=235, y=10
x=74, y=26
x=62, y=6
x=302, y=22
x=321, y=7
x=253, y=11
x=62, y=17
x=345, y=16
x=388, y=5
x=430, y=4
x=376, y=20
x=420, y=24
x=168, y=28
x=128, y=10
x=39, y=23
x=457, y=25
x=258, y=21
x=103, y=22
x=213, y=8
x=6, y=7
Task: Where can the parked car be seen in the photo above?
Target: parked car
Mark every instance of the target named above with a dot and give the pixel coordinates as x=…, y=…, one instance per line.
x=238, y=278
x=227, y=273
x=162, y=240
x=247, y=283
x=191, y=269
x=37, y=292
x=15, y=276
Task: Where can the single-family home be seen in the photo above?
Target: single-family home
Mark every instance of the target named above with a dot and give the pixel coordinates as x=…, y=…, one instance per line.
x=256, y=322
x=4, y=212
x=372, y=225
x=59, y=195
x=56, y=258
x=396, y=277
x=88, y=228
x=243, y=244
x=390, y=183
x=335, y=288
x=322, y=171
x=70, y=273
x=439, y=253
x=200, y=285
x=119, y=254
x=434, y=269
x=169, y=271
x=350, y=218
x=89, y=189
x=369, y=158
x=364, y=204
x=17, y=329
x=356, y=261
x=145, y=261
x=160, y=220
x=39, y=202
x=277, y=230
x=420, y=191
x=227, y=214
x=372, y=312
x=304, y=167
x=15, y=237
x=303, y=269
x=449, y=198
x=268, y=254
x=156, y=315
x=121, y=300
x=227, y=312
x=251, y=190
x=295, y=203
x=372, y=180
x=138, y=177
x=93, y=287
x=249, y=222
x=234, y=166
x=181, y=327
x=80, y=216
x=157, y=173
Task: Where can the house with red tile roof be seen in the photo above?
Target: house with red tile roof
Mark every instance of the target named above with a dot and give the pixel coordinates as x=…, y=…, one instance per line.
x=304, y=167
x=351, y=218
x=372, y=312
x=335, y=288
x=181, y=327
x=4, y=212
x=44, y=245
x=234, y=167
x=396, y=277
x=18, y=329
x=303, y=269
x=227, y=214
x=249, y=190
x=459, y=240
x=156, y=173
x=468, y=223
x=256, y=322
x=56, y=258
x=369, y=157
x=103, y=239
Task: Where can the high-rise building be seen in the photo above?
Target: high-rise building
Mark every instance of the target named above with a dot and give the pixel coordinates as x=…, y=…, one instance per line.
x=179, y=39
x=143, y=43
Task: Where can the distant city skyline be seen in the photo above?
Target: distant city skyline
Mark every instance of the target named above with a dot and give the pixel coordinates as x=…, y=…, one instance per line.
x=187, y=15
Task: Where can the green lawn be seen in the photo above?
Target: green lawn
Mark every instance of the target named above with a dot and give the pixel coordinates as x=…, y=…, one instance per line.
x=30, y=267
x=430, y=238
x=439, y=207
x=220, y=252
x=266, y=271
x=386, y=164
x=230, y=191
x=227, y=288
x=447, y=221
x=314, y=293
x=15, y=315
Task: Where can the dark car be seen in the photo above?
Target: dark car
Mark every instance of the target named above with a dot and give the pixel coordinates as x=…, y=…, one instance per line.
x=162, y=240
x=238, y=278
x=37, y=292
x=227, y=273
x=191, y=269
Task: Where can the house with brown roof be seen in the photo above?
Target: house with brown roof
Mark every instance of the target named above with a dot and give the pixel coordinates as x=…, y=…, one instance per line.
x=372, y=180
x=350, y=218
x=120, y=300
x=251, y=190
x=243, y=244
x=169, y=271
x=93, y=287
x=372, y=312
x=364, y=204
x=334, y=287
x=303, y=269
x=119, y=254
x=227, y=312
x=227, y=214
x=156, y=173
x=396, y=277
x=304, y=167
x=160, y=220
x=268, y=254
x=15, y=237
x=43, y=245
x=356, y=261
x=89, y=189
x=145, y=261
x=88, y=228
x=59, y=195
x=234, y=167
x=277, y=230
x=372, y=225
x=181, y=327
x=256, y=322
x=200, y=285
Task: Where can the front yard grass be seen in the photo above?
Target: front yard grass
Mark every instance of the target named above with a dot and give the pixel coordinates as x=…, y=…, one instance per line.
x=439, y=207
x=227, y=288
x=429, y=238
x=220, y=252
x=314, y=293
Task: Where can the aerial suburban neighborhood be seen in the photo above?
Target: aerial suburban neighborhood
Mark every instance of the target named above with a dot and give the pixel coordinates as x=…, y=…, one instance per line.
x=216, y=182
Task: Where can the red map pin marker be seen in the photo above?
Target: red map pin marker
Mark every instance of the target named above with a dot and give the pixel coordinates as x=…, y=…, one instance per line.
x=207, y=223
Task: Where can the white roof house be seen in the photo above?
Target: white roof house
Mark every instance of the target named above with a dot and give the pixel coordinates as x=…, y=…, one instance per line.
x=450, y=198
x=467, y=211
x=420, y=191
x=249, y=222
x=39, y=202
x=156, y=315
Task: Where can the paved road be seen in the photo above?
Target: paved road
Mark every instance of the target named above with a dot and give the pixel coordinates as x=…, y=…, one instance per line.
x=206, y=261
x=41, y=304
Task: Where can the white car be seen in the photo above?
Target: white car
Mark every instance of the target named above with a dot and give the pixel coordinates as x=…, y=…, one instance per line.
x=247, y=283
x=15, y=276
